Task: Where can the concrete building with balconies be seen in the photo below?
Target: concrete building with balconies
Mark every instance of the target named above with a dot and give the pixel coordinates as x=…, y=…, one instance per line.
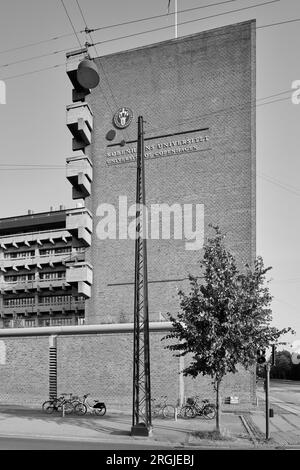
x=44, y=277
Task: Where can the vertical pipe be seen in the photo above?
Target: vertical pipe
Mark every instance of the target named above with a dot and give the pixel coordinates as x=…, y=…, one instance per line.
x=176, y=19
x=181, y=380
x=267, y=384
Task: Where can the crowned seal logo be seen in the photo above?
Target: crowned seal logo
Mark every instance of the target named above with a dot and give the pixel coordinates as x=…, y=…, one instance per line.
x=123, y=118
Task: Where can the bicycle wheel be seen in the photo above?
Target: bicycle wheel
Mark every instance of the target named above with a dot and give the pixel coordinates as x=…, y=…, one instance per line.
x=49, y=408
x=68, y=406
x=100, y=411
x=188, y=412
x=168, y=411
x=209, y=411
x=46, y=404
x=80, y=409
x=155, y=410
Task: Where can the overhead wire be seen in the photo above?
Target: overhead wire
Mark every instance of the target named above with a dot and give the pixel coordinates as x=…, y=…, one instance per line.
x=100, y=28
x=93, y=44
x=108, y=26
x=280, y=184
x=71, y=22
x=136, y=21
x=37, y=43
x=187, y=22
x=101, y=65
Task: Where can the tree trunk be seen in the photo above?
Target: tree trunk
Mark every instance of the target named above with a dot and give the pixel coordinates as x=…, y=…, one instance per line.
x=218, y=406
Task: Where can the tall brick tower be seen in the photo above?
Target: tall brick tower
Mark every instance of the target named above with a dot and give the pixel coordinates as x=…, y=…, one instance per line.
x=197, y=97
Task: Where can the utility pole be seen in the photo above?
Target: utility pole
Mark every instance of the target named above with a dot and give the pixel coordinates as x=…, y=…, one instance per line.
x=141, y=413
x=267, y=386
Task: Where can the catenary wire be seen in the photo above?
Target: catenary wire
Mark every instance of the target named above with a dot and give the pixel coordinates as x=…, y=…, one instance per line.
x=185, y=22
x=134, y=21
x=55, y=38
x=101, y=65
x=100, y=88
x=75, y=32
x=135, y=34
x=100, y=28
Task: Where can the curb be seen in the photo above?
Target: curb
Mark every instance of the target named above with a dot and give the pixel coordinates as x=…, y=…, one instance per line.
x=248, y=429
x=89, y=439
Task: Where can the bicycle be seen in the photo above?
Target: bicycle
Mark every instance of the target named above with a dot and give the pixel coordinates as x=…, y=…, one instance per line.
x=161, y=409
x=57, y=404
x=195, y=408
x=83, y=406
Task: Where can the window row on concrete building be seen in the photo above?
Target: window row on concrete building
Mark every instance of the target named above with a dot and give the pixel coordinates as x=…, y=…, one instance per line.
x=35, y=288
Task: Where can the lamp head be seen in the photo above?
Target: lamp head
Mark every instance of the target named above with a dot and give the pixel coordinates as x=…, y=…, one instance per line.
x=87, y=74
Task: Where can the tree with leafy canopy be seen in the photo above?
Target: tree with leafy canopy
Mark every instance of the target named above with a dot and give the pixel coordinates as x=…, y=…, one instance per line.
x=283, y=367
x=224, y=319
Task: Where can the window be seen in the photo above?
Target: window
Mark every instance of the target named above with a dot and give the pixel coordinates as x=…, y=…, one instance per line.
x=66, y=249
x=62, y=321
x=7, y=323
x=55, y=299
x=19, y=302
x=53, y=275
x=55, y=251
x=19, y=278
x=19, y=254
x=29, y=323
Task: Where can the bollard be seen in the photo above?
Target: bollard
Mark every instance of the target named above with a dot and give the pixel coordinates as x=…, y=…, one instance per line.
x=175, y=413
x=63, y=411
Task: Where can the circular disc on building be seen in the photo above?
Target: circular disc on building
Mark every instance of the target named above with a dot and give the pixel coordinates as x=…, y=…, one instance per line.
x=123, y=118
x=111, y=134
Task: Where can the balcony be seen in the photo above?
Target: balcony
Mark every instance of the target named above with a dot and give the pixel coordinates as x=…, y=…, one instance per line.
x=28, y=239
x=80, y=175
x=80, y=122
x=80, y=274
x=27, y=262
x=39, y=308
x=40, y=321
x=36, y=285
x=79, y=223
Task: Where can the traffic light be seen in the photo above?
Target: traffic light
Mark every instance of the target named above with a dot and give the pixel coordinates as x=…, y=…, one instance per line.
x=261, y=356
x=273, y=355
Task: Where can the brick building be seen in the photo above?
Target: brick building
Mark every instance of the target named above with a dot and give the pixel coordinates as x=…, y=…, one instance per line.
x=44, y=279
x=197, y=97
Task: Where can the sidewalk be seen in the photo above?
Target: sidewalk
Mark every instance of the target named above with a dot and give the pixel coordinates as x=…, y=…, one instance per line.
x=284, y=426
x=115, y=427
x=242, y=429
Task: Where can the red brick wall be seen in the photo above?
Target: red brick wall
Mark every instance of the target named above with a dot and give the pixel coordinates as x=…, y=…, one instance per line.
x=102, y=366
x=199, y=81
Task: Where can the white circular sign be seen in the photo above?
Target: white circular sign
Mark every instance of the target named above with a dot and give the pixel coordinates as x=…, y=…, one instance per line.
x=123, y=118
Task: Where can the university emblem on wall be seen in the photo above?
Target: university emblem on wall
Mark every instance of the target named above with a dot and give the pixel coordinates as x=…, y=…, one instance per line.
x=123, y=118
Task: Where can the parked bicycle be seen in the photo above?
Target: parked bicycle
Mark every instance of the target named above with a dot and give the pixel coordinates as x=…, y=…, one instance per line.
x=60, y=403
x=161, y=408
x=194, y=407
x=82, y=407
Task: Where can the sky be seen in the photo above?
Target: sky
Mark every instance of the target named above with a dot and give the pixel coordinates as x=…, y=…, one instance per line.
x=35, y=142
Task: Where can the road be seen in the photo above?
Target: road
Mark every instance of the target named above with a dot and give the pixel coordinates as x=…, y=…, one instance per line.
x=13, y=443
x=285, y=400
x=285, y=394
